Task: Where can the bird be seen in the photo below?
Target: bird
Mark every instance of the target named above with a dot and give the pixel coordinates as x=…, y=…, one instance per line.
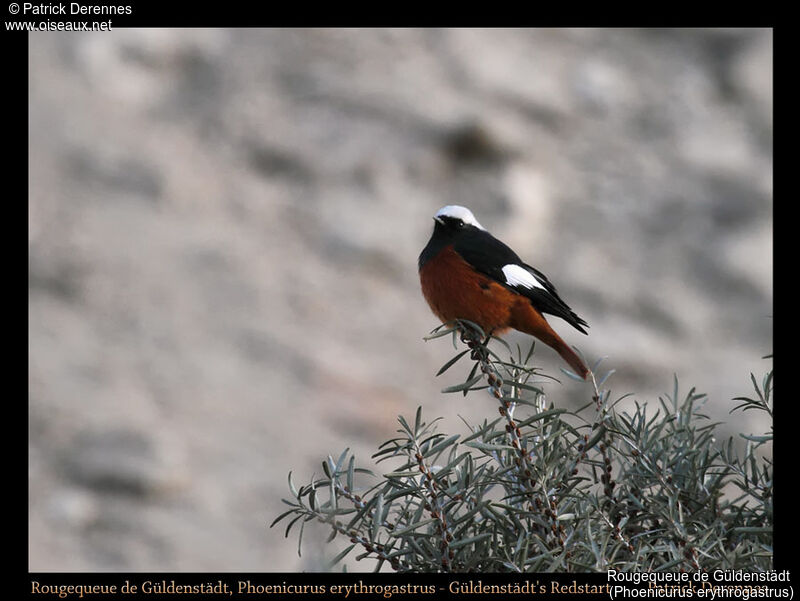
x=466, y=273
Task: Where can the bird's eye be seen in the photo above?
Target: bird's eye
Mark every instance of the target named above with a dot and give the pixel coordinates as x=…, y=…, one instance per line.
x=459, y=223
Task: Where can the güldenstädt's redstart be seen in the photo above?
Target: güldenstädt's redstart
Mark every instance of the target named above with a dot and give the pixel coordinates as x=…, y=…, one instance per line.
x=466, y=273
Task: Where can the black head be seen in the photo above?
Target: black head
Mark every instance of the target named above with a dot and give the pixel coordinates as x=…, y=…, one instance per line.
x=452, y=222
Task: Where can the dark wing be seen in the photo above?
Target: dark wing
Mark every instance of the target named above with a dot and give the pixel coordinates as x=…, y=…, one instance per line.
x=493, y=258
x=551, y=301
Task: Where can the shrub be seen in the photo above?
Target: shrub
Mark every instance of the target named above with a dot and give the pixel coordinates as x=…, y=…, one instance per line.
x=540, y=488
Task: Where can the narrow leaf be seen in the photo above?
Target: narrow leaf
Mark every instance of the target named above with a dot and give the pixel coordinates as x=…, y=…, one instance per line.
x=464, y=385
x=452, y=362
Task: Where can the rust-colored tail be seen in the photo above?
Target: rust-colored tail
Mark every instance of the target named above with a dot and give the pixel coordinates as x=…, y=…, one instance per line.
x=572, y=358
x=527, y=319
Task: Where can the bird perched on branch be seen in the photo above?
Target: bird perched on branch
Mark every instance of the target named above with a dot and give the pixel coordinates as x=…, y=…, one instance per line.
x=466, y=273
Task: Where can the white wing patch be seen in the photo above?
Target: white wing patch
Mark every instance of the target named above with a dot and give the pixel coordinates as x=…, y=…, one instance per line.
x=519, y=276
x=462, y=213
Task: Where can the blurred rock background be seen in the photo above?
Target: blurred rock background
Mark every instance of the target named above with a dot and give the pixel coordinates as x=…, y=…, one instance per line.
x=223, y=235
